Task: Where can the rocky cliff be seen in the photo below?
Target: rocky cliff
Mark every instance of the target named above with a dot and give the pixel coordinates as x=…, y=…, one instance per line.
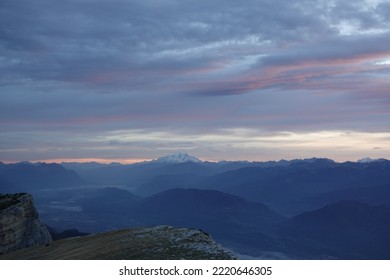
x=19, y=223
x=162, y=242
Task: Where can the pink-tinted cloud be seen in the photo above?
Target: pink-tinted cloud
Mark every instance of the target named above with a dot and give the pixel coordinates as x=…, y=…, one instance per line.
x=74, y=71
x=344, y=74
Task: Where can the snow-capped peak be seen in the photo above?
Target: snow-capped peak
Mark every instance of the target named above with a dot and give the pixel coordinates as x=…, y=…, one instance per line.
x=368, y=160
x=177, y=158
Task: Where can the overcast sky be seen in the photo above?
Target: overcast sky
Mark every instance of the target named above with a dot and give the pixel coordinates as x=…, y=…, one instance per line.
x=127, y=80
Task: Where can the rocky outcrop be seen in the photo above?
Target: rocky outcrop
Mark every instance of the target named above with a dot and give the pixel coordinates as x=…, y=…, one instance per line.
x=162, y=242
x=19, y=223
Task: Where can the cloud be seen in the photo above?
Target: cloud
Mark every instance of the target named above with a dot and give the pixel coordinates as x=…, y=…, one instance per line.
x=231, y=144
x=128, y=44
x=81, y=69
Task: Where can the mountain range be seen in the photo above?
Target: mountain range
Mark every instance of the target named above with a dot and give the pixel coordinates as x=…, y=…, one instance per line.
x=342, y=230
x=28, y=176
x=302, y=209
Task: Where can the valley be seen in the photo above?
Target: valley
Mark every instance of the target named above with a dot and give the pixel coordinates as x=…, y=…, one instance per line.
x=299, y=209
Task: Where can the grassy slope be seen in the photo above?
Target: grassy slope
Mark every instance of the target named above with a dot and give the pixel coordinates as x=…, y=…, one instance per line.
x=138, y=243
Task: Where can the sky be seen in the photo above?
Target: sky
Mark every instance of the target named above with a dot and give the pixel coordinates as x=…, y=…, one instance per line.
x=127, y=80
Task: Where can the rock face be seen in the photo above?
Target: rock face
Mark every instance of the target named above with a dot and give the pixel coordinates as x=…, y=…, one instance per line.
x=154, y=243
x=19, y=223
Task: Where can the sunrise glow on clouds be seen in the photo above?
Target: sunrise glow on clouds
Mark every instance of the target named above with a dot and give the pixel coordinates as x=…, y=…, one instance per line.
x=134, y=80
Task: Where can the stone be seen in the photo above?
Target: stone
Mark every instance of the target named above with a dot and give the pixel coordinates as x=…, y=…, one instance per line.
x=20, y=226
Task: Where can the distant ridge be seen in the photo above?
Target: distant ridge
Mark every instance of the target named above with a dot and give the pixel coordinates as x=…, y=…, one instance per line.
x=177, y=158
x=369, y=160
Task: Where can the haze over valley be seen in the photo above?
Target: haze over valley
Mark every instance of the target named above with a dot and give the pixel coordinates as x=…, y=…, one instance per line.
x=304, y=208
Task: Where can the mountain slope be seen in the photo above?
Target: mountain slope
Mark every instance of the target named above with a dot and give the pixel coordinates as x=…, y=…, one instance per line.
x=298, y=182
x=166, y=182
x=157, y=243
x=230, y=219
x=28, y=176
x=346, y=230
x=374, y=195
x=210, y=205
x=111, y=207
x=233, y=221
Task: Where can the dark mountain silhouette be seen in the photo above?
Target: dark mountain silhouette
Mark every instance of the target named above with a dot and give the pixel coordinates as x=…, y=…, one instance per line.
x=7, y=187
x=111, y=207
x=202, y=205
x=26, y=176
x=346, y=230
x=286, y=188
x=105, y=198
x=138, y=174
x=77, y=166
x=162, y=183
x=135, y=175
x=374, y=195
x=229, y=219
x=334, y=207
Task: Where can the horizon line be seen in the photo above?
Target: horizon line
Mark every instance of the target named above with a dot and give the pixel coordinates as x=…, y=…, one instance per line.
x=141, y=160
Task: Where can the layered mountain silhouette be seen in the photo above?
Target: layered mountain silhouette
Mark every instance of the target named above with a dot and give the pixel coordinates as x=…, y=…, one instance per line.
x=228, y=218
x=289, y=189
x=346, y=230
x=26, y=176
x=301, y=209
x=297, y=180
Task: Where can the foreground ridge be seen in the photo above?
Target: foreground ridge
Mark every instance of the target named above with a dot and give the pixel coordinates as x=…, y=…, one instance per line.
x=161, y=242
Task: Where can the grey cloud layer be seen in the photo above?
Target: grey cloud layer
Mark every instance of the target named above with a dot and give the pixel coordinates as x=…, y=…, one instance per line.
x=76, y=40
x=192, y=66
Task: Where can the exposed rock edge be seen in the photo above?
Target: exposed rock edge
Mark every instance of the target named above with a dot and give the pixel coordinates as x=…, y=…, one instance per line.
x=20, y=226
